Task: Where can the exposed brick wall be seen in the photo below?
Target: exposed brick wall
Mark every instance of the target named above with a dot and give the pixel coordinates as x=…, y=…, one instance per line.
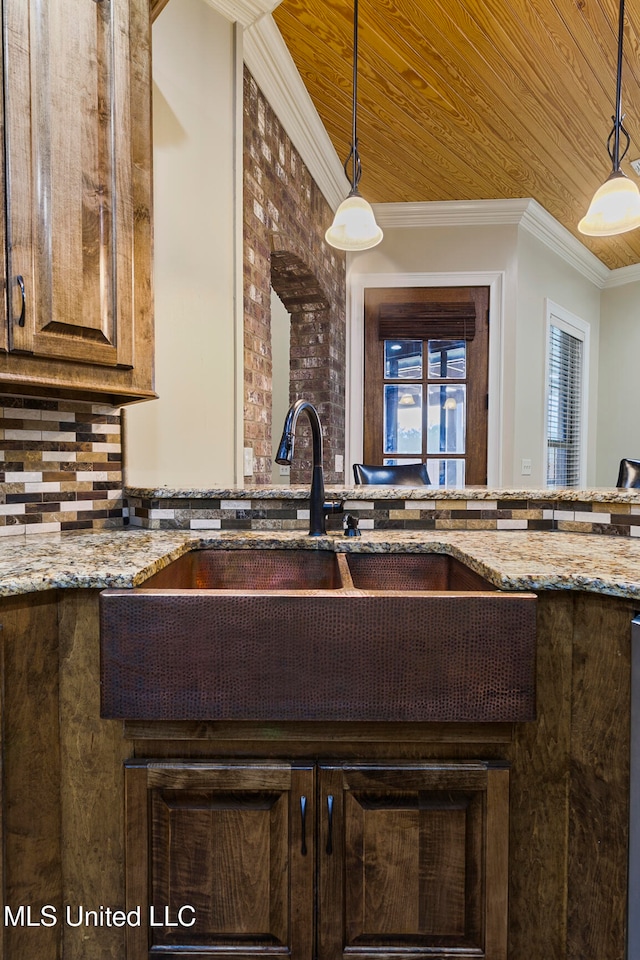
x=285, y=218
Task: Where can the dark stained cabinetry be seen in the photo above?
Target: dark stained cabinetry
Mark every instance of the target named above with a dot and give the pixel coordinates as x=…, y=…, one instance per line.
x=229, y=840
x=318, y=860
x=78, y=199
x=68, y=838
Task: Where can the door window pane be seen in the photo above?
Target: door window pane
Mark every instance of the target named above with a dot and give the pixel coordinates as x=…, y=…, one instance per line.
x=447, y=359
x=446, y=473
x=403, y=359
x=446, y=418
x=423, y=379
x=403, y=419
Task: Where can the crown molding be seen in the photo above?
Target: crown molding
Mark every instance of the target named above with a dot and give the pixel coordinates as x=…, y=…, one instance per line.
x=156, y=7
x=538, y=222
x=450, y=213
x=622, y=276
x=525, y=213
x=272, y=66
x=244, y=12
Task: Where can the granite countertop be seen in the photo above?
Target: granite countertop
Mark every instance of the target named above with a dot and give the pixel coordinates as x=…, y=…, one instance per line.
x=512, y=560
x=375, y=492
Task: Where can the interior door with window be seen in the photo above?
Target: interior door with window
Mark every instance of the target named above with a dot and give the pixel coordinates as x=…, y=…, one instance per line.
x=426, y=380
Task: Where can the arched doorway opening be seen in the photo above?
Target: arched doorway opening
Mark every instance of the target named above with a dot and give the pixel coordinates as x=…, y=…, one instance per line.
x=316, y=364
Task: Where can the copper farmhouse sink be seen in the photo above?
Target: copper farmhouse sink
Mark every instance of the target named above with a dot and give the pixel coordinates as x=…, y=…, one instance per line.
x=413, y=571
x=250, y=570
x=316, y=635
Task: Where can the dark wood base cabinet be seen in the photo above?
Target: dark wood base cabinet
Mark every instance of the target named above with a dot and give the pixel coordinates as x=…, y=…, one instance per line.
x=209, y=815
x=326, y=861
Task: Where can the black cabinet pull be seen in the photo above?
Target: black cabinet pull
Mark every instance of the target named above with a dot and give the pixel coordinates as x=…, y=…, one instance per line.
x=303, y=825
x=20, y=282
x=330, y=825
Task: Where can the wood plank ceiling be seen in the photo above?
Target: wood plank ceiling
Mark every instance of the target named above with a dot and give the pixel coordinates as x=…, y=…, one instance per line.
x=476, y=99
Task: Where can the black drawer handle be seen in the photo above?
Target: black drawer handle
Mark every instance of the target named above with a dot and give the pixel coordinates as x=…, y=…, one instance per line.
x=330, y=825
x=303, y=825
x=20, y=282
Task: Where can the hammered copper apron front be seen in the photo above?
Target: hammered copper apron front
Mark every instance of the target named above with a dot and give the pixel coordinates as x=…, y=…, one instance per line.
x=338, y=652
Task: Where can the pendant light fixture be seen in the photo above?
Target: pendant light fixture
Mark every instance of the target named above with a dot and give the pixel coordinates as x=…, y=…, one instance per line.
x=615, y=207
x=354, y=226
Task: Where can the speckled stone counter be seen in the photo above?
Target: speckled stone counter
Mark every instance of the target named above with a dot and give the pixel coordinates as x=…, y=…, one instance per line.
x=511, y=559
x=353, y=492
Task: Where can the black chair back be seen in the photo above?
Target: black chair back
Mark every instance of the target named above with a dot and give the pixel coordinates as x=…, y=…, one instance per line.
x=629, y=473
x=397, y=475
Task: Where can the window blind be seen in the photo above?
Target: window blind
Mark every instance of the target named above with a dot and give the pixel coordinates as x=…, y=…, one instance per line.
x=564, y=409
x=427, y=321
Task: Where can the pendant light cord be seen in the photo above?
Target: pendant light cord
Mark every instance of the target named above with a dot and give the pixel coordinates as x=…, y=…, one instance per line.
x=618, y=127
x=354, y=156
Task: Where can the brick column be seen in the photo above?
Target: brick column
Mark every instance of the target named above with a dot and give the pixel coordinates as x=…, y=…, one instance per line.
x=285, y=217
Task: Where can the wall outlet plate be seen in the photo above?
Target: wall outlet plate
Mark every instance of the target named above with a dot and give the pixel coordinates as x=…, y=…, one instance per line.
x=248, y=462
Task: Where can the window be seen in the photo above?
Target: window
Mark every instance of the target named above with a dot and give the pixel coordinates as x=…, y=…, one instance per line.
x=566, y=378
x=440, y=385
x=426, y=352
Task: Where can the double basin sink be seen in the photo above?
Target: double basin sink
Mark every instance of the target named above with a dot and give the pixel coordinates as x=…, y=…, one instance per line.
x=296, y=634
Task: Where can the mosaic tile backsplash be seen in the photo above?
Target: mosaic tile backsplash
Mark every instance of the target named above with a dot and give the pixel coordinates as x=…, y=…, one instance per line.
x=62, y=466
x=617, y=516
x=62, y=471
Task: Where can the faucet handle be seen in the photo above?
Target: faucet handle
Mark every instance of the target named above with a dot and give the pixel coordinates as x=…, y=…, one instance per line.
x=351, y=526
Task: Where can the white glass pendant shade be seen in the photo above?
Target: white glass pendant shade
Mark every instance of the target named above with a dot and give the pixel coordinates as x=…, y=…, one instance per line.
x=354, y=226
x=615, y=208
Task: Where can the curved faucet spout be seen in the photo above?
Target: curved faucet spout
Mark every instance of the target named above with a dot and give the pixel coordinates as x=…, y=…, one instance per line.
x=317, y=507
x=285, y=450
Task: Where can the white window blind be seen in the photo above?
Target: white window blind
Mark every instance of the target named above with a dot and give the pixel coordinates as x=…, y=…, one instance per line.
x=564, y=408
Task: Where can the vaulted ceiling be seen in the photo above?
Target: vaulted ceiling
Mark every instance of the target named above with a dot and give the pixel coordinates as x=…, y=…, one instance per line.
x=475, y=99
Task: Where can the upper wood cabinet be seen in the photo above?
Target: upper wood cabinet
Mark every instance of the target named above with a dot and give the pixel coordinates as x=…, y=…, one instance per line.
x=78, y=199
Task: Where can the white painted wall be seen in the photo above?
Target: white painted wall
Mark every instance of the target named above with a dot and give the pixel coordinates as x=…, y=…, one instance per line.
x=618, y=402
x=543, y=275
x=531, y=273
x=463, y=250
x=187, y=437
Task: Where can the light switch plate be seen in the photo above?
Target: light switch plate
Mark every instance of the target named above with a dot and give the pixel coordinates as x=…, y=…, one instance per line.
x=525, y=469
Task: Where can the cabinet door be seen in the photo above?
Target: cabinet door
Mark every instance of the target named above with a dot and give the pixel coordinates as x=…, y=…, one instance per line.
x=78, y=185
x=413, y=859
x=230, y=842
